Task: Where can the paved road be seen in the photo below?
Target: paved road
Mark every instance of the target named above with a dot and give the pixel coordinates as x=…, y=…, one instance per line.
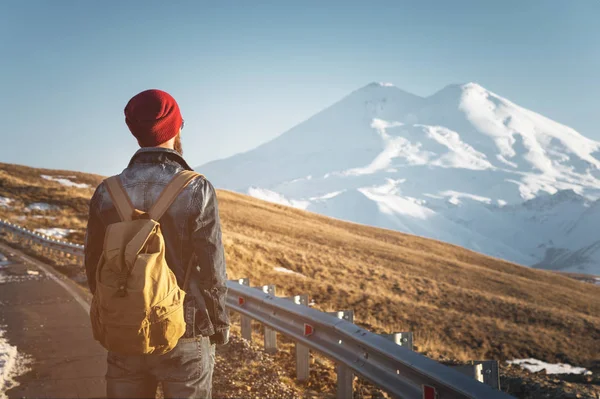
x=46, y=319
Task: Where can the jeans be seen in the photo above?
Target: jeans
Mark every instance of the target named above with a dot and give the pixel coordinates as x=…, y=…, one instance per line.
x=184, y=372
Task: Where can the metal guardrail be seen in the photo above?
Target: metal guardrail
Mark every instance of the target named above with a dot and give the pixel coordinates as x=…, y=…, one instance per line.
x=397, y=370
x=392, y=367
x=48, y=242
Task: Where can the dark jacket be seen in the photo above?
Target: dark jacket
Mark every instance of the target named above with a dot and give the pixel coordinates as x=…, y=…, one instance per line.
x=191, y=227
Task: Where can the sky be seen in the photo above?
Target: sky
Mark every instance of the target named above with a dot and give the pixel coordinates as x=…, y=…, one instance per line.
x=244, y=72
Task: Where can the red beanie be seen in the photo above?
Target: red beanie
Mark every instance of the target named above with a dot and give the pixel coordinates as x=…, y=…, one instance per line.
x=153, y=117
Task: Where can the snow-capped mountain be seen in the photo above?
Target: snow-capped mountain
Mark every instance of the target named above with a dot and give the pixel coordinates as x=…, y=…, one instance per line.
x=464, y=166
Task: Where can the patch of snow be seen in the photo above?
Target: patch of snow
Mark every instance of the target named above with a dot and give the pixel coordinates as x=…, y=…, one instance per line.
x=505, y=161
x=65, y=181
x=454, y=201
x=394, y=147
x=271, y=196
x=8, y=365
x=55, y=232
x=443, y=148
x=459, y=154
x=287, y=271
x=456, y=196
x=309, y=177
x=41, y=206
x=10, y=279
x=386, y=84
x=390, y=203
x=5, y=202
x=535, y=365
x=327, y=196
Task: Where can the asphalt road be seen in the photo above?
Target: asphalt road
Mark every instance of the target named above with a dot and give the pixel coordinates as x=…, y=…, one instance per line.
x=46, y=318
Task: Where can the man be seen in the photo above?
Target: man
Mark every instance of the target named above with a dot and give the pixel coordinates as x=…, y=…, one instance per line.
x=192, y=236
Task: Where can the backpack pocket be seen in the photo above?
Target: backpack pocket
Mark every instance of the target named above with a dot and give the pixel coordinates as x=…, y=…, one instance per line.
x=167, y=322
x=128, y=339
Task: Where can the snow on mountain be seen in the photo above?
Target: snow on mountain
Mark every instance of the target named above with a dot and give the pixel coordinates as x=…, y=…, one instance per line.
x=464, y=166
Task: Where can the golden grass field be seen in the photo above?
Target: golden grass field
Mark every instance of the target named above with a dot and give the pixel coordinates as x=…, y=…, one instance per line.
x=460, y=304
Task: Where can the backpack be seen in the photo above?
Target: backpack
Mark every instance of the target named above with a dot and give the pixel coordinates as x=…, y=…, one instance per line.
x=137, y=307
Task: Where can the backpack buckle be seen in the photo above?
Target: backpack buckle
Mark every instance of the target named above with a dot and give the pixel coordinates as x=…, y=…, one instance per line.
x=122, y=291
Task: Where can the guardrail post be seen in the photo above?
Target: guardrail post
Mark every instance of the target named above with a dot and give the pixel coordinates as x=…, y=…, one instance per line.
x=345, y=376
x=485, y=371
x=302, y=352
x=245, y=321
x=490, y=371
x=472, y=370
x=404, y=339
x=270, y=335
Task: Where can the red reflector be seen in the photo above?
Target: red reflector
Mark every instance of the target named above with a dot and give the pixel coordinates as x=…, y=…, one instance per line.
x=429, y=392
x=241, y=301
x=308, y=329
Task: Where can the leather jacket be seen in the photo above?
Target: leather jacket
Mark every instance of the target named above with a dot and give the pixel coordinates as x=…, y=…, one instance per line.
x=190, y=227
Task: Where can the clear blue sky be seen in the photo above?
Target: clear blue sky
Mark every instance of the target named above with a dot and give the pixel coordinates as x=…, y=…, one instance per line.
x=243, y=72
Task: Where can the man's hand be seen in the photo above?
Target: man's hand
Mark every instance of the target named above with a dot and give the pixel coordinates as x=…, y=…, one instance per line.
x=221, y=337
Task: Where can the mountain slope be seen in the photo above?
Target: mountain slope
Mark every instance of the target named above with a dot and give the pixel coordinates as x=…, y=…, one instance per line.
x=459, y=303
x=442, y=167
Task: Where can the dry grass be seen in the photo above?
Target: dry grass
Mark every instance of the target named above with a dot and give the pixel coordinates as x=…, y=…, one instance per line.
x=459, y=304
x=25, y=186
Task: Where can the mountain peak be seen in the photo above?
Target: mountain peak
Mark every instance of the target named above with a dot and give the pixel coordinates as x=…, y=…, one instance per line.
x=383, y=87
x=457, y=89
x=472, y=85
x=463, y=86
x=384, y=90
x=431, y=166
x=380, y=84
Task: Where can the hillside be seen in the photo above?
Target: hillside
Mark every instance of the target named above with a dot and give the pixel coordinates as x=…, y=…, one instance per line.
x=464, y=165
x=460, y=304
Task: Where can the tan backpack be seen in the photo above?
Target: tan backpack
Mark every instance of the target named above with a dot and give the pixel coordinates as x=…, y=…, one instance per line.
x=138, y=307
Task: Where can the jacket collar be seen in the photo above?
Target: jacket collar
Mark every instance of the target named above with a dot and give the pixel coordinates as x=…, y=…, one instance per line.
x=158, y=155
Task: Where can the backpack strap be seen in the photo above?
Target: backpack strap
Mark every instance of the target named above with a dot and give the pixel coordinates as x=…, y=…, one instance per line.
x=170, y=193
x=120, y=198
x=164, y=201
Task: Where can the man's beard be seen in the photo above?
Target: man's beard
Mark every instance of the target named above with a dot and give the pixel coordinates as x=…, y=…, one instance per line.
x=177, y=145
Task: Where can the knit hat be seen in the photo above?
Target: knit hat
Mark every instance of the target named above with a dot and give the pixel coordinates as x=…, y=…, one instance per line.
x=153, y=117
